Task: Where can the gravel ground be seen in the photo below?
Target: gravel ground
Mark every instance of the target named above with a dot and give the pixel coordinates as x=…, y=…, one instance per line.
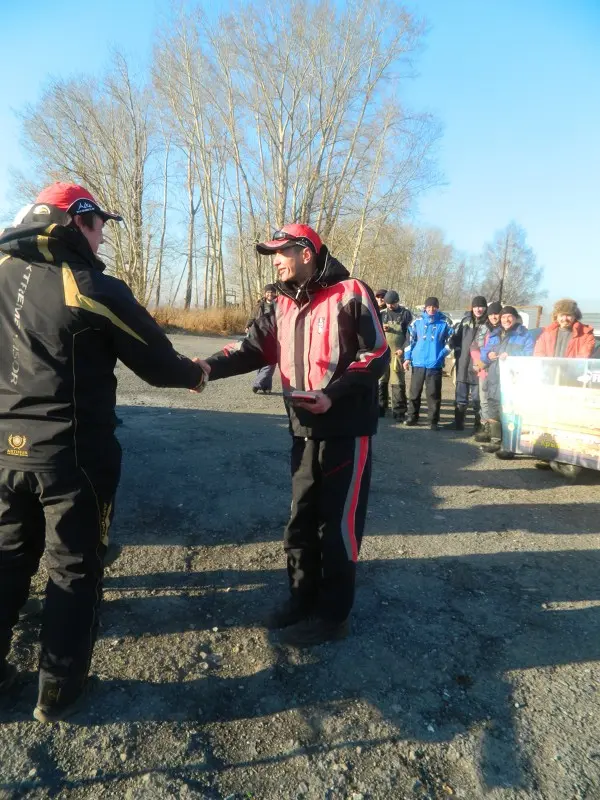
x=472, y=670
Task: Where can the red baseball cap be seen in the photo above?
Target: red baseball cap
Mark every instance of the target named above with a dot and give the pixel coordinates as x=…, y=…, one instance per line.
x=73, y=199
x=291, y=236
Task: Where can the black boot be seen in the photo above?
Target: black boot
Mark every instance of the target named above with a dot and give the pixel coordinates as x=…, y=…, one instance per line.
x=495, y=438
x=57, y=700
x=287, y=613
x=314, y=631
x=569, y=471
x=484, y=433
x=505, y=455
x=459, y=419
x=477, y=426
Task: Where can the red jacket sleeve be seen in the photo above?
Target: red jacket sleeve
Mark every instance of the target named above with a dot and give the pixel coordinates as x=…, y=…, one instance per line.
x=373, y=354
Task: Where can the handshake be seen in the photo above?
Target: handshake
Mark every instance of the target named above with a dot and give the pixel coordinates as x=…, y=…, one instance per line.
x=205, y=373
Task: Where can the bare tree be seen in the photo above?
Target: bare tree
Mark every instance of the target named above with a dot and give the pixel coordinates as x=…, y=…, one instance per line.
x=305, y=128
x=271, y=128
x=511, y=273
x=99, y=133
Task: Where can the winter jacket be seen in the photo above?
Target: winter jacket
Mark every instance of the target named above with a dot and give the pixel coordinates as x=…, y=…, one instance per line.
x=581, y=344
x=517, y=341
x=467, y=333
x=262, y=307
x=479, y=342
x=325, y=335
x=428, y=341
x=397, y=321
x=63, y=325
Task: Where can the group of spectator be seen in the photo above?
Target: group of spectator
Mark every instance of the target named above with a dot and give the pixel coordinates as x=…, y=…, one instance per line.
x=486, y=335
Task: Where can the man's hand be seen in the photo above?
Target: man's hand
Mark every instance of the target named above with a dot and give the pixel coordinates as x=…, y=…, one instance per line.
x=321, y=406
x=206, y=370
x=386, y=328
x=406, y=366
x=399, y=352
x=492, y=356
x=503, y=356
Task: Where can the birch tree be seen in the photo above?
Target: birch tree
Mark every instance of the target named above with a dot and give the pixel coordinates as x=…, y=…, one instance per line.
x=99, y=133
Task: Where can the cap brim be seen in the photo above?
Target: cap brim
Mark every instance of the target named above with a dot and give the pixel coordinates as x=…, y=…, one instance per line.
x=86, y=206
x=266, y=248
x=106, y=215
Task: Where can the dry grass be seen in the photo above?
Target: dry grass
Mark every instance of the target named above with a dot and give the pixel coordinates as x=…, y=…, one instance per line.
x=229, y=320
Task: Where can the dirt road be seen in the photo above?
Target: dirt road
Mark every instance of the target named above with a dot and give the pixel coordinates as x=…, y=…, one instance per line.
x=473, y=669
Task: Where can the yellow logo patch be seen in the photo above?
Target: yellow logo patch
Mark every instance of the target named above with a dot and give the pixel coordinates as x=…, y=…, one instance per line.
x=41, y=210
x=16, y=445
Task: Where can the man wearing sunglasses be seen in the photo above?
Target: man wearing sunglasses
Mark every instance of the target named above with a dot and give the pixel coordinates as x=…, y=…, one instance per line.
x=326, y=335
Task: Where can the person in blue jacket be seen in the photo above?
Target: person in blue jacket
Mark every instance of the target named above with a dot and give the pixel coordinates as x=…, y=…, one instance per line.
x=510, y=339
x=427, y=349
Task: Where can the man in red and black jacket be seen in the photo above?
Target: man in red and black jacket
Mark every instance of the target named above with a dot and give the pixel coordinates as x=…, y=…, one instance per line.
x=63, y=325
x=325, y=334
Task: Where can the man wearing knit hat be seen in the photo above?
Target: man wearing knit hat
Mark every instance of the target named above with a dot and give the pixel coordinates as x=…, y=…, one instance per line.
x=427, y=349
x=263, y=381
x=510, y=339
x=566, y=336
x=380, y=298
x=467, y=384
x=483, y=334
x=395, y=320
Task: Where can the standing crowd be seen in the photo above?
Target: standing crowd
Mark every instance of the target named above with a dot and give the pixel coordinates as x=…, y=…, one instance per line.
x=484, y=337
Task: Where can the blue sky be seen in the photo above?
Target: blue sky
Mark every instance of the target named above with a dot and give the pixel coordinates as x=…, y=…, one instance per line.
x=516, y=84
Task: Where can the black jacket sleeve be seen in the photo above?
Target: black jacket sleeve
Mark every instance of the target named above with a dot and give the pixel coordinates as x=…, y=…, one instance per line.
x=456, y=337
x=138, y=340
x=257, y=349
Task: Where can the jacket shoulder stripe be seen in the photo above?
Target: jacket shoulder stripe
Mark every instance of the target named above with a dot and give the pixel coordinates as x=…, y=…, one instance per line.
x=42, y=243
x=359, y=292
x=3, y=259
x=73, y=299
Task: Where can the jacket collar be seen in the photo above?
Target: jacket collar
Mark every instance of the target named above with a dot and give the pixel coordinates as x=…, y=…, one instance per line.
x=50, y=244
x=578, y=328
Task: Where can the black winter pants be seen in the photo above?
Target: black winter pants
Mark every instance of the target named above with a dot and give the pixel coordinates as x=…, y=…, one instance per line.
x=330, y=491
x=383, y=393
x=399, y=402
x=432, y=380
x=67, y=514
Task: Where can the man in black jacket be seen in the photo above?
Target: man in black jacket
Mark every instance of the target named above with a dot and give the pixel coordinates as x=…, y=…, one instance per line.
x=467, y=382
x=264, y=377
x=64, y=324
x=395, y=320
x=324, y=331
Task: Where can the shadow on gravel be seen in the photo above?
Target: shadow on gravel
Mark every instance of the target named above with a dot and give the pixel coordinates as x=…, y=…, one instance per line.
x=207, y=477
x=433, y=639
